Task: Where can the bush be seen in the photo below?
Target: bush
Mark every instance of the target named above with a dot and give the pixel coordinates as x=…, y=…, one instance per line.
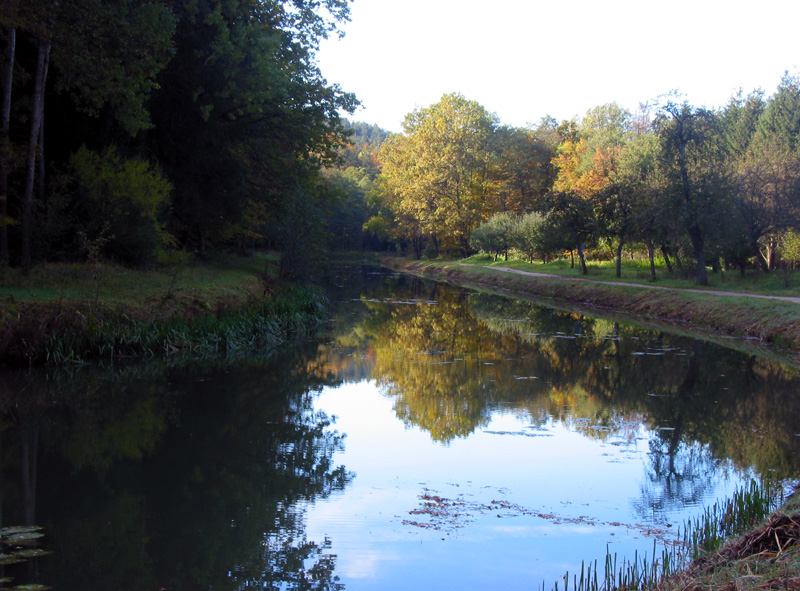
x=529, y=234
x=125, y=199
x=494, y=236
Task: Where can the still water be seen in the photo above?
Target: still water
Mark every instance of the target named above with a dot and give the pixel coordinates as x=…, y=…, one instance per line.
x=430, y=438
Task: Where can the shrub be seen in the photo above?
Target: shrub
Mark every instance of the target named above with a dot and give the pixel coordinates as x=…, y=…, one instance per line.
x=125, y=199
x=495, y=235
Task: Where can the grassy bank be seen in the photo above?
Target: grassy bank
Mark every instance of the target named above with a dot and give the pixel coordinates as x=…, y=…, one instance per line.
x=778, y=282
x=766, y=321
x=73, y=313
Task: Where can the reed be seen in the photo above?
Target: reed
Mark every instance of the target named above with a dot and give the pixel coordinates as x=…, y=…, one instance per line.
x=698, y=537
x=289, y=313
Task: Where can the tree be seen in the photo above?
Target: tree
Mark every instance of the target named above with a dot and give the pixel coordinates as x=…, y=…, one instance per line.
x=245, y=120
x=739, y=121
x=224, y=96
x=693, y=161
x=43, y=33
x=525, y=171
x=105, y=55
x=765, y=167
x=441, y=171
x=496, y=235
x=530, y=235
x=124, y=204
x=780, y=120
x=640, y=180
x=766, y=184
x=574, y=218
x=607, y=129
x=401, y=212
x=587, y=170
x=10, y=22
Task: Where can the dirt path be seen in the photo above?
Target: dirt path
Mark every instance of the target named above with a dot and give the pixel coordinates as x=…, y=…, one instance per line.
x=794, y=300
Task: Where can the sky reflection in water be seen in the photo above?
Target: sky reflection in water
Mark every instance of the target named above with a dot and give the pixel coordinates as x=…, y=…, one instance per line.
x=516, y=503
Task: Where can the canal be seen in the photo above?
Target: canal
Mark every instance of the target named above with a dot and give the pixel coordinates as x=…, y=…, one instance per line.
x=430, y=437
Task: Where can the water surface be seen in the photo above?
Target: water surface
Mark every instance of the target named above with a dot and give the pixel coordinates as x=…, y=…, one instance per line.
x=431, y=438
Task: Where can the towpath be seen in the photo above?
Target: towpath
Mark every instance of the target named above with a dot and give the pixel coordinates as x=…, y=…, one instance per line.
x=794, y=300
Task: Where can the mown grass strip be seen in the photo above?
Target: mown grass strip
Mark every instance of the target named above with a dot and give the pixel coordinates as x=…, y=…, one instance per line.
x=778, y=282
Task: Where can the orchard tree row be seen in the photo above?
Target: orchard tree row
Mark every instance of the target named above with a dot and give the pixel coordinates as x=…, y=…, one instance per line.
x=700, y=187
x=133, y=128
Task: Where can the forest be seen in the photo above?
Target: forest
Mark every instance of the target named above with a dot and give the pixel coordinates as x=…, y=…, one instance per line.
x=138, y=132
x=134, y=131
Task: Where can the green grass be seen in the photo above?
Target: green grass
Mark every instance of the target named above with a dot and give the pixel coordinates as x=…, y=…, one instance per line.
x=638, y=271
x=217, y=278
x=271, y=322
x=62, y=314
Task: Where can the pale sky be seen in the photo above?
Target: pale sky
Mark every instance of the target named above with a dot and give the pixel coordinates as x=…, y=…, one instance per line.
x=526, y=59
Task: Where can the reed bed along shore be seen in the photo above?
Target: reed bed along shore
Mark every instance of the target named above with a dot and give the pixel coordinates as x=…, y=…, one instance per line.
x=729, y=547
x=65, y=316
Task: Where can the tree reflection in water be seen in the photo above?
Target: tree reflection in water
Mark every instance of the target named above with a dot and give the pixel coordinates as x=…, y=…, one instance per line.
x=451, y=358
x=183, y=478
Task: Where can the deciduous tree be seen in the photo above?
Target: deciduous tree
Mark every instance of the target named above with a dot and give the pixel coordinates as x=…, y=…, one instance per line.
x=441, y=171
x=693, y=159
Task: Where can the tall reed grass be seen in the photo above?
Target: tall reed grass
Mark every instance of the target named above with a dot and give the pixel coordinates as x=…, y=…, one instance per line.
x=698, y=537
x=289, y=313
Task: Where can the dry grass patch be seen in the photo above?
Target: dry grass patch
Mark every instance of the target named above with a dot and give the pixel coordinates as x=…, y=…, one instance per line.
x=766, y=558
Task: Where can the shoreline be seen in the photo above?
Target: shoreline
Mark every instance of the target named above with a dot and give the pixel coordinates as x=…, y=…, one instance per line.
x=766, y=325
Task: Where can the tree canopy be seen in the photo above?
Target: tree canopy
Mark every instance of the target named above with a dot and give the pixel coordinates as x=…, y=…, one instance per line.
x=192, y=125
x=223, y=98
x=698, y=185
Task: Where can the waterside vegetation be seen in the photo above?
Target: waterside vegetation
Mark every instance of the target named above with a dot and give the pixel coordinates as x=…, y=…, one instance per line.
x=739, y=544
x=68, y=313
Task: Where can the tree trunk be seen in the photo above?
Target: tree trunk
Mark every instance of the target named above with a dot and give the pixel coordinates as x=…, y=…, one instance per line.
x=37, y=112
x=651, y=253
x=582, y=259
x=619, y=255
x=773, y=253
x=701, y=277
x=716, y=266
x=693, y=229
x=5, y=143
x=665, y=254
x=40, y=162
x=763, y=264
x=416, y=245
x=679, y=262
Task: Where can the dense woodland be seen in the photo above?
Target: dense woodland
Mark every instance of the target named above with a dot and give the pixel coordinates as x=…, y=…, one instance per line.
x=132, y=131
